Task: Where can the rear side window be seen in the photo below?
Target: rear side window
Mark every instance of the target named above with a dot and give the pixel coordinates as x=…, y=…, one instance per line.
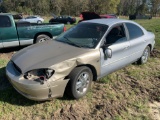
x=5, y=21
x=134, y=31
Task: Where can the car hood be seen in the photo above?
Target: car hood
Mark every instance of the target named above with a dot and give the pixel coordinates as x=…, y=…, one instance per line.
x=44, y=55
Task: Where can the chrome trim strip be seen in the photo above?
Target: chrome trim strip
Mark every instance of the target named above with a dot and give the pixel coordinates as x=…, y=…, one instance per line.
x=1, y=45
x=26, y=42
x=11, y=44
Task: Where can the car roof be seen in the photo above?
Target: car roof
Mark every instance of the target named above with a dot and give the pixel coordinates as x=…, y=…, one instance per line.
x=33, y=16
x=112, y=21
x=5, y=14
x=108, y=22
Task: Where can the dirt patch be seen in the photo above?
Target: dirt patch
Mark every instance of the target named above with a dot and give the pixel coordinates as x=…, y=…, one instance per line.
x=125, y=95
x=76, y=111
x=111, y=100
x=155, y=53
x=6, y=55
x=155, y=110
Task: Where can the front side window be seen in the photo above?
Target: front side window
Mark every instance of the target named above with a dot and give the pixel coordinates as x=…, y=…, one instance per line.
x=5, y=21
x=116, y=35
x=34, y=17
x=28, y=17
x=84, y=35
x=134, y=31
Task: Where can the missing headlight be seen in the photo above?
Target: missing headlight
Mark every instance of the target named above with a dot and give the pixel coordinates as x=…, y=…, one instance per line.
x=49, y=73
x=38, y=74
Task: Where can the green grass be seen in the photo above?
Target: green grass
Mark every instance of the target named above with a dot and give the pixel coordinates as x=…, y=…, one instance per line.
x=125, y=93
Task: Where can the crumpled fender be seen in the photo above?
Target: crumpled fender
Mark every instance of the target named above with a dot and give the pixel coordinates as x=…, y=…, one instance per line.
x=63, y=69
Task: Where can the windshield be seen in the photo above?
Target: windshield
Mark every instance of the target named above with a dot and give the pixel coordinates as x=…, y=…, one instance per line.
x=83, y=35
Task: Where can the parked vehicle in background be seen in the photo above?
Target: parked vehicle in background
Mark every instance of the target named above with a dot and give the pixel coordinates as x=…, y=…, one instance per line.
x=88, y=16
x=109, y=16
x=25, y=33
x=134, y=17
x=63, y=19
x=32, y=19
x=92, y=15
x=18, y=16
x=86, y=52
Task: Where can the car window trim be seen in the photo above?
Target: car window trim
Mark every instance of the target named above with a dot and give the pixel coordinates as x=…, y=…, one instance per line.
x=128, y=31
x=110, y=28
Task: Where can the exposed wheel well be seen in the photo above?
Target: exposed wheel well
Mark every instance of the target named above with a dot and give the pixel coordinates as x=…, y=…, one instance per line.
x=92, y=69
x=150, y=46
x=42, y=33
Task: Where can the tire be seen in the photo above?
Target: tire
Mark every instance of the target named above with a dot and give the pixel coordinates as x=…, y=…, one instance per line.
x=145, y=56
x=77, y=87
x=39, y=22
x=42, y=38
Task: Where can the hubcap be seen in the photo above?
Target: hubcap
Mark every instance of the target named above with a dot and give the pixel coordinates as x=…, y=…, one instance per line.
x=42, y=40
x=39, y=22
x=145, y=55
x=82, y=82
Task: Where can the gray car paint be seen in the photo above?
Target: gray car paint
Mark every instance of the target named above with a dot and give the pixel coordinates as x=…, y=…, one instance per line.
x=44, y=55
x=63, y=58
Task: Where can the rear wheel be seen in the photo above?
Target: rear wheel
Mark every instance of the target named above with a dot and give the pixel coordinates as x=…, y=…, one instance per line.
x=39, y=22
x=80, y=82
x=145, y=56
x=68, y=23
x=42, y=38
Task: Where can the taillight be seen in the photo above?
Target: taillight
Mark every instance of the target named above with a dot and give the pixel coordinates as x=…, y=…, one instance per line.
x=64, y=29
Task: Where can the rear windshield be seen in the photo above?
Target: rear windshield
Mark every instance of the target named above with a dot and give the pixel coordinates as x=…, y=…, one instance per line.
x=84, y=35
x=5, y=21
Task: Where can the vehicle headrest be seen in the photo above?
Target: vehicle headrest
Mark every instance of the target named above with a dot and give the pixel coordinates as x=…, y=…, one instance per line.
x=114, y=31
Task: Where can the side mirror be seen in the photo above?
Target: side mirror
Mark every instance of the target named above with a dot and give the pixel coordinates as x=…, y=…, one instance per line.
x=108, y=52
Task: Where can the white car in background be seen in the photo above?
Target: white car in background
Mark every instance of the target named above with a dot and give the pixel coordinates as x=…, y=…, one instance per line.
x=33, y=19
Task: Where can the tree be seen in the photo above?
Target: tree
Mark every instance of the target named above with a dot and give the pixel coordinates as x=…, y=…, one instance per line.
x=58, y=7
x=155, y=7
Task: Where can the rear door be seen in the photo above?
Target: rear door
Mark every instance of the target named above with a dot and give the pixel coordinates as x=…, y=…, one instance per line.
x=8, y=32
x=137, y=41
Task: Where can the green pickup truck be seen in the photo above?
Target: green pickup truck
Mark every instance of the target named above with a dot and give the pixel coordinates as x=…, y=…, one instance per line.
x=25, y=33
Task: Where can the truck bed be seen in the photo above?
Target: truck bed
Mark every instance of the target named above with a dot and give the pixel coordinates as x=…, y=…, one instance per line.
x=26, y=24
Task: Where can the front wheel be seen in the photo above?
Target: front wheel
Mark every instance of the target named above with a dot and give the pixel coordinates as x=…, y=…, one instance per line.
x=145, y=56
x=80, y=82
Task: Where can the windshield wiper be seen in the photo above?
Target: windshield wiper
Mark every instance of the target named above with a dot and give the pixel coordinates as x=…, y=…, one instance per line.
x=71, y=43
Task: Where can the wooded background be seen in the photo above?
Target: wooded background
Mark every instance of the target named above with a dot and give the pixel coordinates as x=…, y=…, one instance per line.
x=75, y=7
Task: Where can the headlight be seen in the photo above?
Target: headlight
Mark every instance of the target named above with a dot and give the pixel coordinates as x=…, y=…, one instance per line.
x=42, y=74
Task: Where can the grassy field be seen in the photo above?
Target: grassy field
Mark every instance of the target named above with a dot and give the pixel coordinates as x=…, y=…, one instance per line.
x=129, y=93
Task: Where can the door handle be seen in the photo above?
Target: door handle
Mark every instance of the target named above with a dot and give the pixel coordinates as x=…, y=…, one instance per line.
x=126, y=47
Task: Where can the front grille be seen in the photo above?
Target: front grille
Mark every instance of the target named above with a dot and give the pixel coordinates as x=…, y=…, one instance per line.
x=17, y=68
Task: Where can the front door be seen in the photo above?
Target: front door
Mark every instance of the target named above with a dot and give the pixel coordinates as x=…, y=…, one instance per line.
x=118, y=43
x=8, y=32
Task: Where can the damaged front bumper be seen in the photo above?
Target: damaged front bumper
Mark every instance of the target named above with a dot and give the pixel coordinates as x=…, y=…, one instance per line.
x=35, y=90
